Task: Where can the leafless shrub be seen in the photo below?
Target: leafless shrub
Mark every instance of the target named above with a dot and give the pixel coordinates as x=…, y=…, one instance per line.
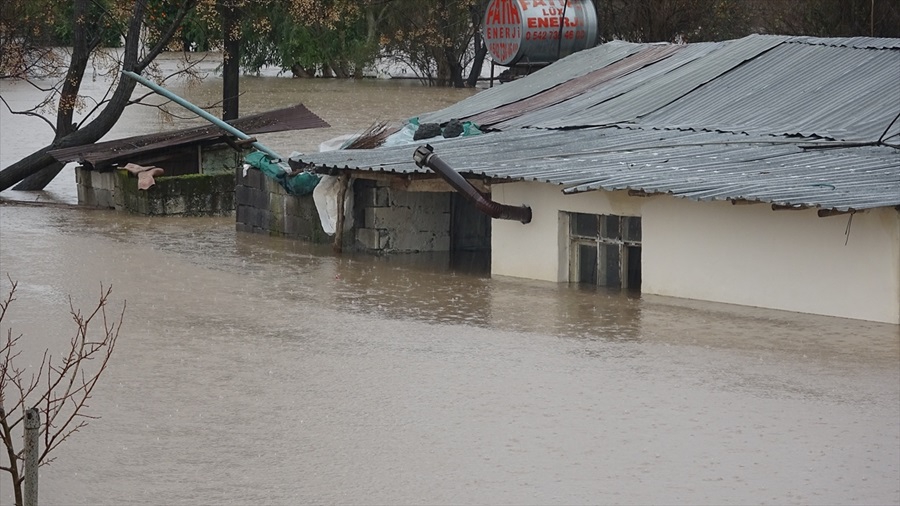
x=61, y=387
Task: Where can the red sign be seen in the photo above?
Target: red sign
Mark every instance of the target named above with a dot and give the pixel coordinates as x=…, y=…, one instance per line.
x=503, y=30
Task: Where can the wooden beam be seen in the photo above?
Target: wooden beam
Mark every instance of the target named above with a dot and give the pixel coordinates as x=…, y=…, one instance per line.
x=415, y=182
x=799, y=207
x=824, y=213
x=338, y=245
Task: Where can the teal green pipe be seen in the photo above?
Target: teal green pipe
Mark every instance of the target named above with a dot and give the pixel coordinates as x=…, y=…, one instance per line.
x=200, y=112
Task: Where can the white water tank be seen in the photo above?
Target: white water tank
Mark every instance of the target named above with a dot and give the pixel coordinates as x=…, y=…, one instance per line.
x=538, y=31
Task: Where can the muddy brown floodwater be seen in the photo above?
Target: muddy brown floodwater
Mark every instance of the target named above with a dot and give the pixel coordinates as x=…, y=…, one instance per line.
x=254, y=370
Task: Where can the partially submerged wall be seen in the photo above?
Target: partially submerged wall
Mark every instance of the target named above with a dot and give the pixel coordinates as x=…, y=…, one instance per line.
x=716, y=251
x=397, y=221
x=95, y=189
x=392, y=219
x=386, y=218
x=264, y=207
x=187, y=195
x=791, y=260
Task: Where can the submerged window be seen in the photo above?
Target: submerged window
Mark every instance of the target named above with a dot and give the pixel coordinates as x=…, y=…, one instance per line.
x=605, y=250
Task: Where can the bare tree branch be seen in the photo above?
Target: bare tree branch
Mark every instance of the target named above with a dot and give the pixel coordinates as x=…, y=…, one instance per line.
x=60, y=389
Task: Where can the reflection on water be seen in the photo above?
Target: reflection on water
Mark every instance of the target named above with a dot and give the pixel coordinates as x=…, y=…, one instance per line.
x=257, y=370
x=427, y=287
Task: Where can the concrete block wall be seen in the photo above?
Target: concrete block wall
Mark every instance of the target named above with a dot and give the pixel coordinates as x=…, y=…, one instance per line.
x=390, y=220
x=264, y=207
x=187, y=195
x=95, y=189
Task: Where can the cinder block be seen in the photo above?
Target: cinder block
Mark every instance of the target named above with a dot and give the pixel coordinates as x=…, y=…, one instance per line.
x=291, y=205
x=271, y=185
x=242, y=195
x=255, y=178
x=264, y=219
x=276, y=203
x=412, y=242
x=240, y=214
x=89, y=197
x=431, y=201
x=259, y=199
x=174, y=205
x=104, y=198
x=388, y=217
x=376, y=197
x=371, y=239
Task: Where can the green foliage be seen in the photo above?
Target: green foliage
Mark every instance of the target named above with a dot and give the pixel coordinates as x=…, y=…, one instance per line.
x=434, y=37
x=52, y=22
x=100, y=23
x=705, y=20
x=303, y=41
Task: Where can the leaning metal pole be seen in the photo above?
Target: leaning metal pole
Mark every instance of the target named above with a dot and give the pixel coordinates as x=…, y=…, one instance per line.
x=424, y=157
x=200, y=112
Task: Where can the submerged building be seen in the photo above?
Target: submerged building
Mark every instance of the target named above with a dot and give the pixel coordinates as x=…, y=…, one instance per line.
x=763, y=171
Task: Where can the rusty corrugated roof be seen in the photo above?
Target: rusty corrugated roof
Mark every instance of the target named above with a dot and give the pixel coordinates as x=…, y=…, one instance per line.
x=577, y=86
x=103, y=154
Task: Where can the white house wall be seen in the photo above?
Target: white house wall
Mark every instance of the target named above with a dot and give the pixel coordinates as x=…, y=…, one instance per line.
x=716, y=251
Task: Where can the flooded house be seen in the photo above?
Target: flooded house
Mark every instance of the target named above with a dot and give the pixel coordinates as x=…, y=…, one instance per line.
x=763, y=171
x=187, y=172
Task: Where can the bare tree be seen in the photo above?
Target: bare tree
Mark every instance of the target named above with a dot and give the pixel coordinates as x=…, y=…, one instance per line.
x=59, y=389
x=88, y=31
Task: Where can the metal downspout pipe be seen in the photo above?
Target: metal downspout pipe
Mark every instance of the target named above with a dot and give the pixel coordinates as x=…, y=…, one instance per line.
x=424, y=157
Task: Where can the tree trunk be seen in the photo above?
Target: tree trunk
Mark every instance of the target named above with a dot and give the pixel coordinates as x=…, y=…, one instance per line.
x=81, y=55
x=231, y=68
x=98, y=127
x=477, y=12
x=39, y=180
x=478, y=63
x=39, y=168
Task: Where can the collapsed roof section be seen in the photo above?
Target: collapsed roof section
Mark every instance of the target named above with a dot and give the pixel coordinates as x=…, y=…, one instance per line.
x=102, y=155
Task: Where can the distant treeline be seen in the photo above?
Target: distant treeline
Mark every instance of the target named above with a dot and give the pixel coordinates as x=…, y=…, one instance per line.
x=710, y=20
x=439, y=39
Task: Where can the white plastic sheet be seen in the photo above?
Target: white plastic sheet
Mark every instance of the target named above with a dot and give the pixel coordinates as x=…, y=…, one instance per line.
x=325, y=196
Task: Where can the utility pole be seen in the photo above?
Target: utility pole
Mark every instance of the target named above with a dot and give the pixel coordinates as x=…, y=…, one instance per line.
x=32, y=453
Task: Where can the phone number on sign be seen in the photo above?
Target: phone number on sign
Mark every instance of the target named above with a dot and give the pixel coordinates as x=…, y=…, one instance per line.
x=554, y=35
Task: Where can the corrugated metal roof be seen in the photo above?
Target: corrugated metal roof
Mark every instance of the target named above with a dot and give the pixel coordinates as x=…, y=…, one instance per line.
x=844, y=89
x=578, y=64
x=796, y=89
x=576, y=86
x=653, y=94
x=711, y=121
x=595, y=108
x=851, y=42
x=694, y=165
